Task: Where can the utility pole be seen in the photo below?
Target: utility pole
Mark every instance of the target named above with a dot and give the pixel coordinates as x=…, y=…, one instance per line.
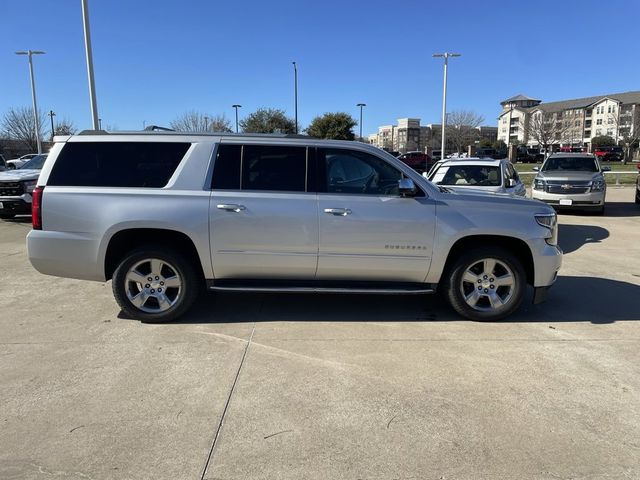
x=52, y=114
x=89, y=55
x=295, y=87
x=446, y=56
x=206, y=123
x=361, y=105
x=36, y=120
x=236, y=106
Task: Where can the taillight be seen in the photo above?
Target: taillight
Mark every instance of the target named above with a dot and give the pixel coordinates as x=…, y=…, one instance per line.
x=36, y=208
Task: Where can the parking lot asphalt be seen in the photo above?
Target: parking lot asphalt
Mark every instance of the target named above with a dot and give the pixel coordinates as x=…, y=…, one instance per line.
x=250, y=386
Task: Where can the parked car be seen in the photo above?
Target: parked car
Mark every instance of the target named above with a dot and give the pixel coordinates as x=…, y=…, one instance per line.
x=638, y=186
x=164, y=214
x=528, y=155
x=485, y=174
x=19, y=162
x=571, y=181
x=3, y=163
x=420, y=162
x=609, y=154
x=16, y=188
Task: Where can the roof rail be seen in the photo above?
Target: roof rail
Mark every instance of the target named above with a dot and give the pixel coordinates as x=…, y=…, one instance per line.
x=93, y=132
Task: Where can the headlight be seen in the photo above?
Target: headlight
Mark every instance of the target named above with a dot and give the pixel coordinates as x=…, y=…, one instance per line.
x=538, y=184
x=597, y=186
x=30, y=185
x=550, y=221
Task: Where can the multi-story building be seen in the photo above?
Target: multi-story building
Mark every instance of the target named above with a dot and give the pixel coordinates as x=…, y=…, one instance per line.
x=569, y=122
x=408, y=135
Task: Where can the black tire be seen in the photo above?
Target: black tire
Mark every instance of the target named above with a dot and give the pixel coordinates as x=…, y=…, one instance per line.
x=6, y=216
x=172, y=265
x=484, y=310
x=637, y=196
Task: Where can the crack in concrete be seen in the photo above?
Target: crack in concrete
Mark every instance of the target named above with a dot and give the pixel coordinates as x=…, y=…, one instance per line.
x=227, y=403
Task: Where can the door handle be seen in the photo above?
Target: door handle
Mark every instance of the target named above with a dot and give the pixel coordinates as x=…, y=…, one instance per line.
x=342, y=212
x=231, y=207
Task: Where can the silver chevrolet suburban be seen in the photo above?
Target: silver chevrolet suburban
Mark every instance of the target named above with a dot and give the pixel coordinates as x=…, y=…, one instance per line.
x=164, y=214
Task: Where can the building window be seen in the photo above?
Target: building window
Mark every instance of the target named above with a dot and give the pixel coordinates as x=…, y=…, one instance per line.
x=609, y=131
x=577, y=123
x=599, y=121
x=610, y=121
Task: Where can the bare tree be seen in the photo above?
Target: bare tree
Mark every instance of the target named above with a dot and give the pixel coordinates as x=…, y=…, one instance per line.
x=546, y=129
x=19, y=124
x=627, y=123
x=65, y=127
x=462, y=128
x=194, y=121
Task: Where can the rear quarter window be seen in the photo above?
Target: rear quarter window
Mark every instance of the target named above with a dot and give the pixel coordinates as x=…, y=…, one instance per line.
x=117, y=164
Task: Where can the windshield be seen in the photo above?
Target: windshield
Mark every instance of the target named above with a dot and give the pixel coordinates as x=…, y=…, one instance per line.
x=35, y=163
x=479, y=175
x=576, y=164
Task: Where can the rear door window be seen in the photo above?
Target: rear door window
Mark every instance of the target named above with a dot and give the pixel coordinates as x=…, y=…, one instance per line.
x=274, y=168
x=117, y=164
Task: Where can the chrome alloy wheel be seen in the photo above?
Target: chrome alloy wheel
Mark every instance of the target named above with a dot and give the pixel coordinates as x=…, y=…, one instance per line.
x=153, y=285
x=487, y=284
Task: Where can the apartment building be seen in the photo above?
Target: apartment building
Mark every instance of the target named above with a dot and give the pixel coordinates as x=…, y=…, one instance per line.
x=569, y=122
x=408, y=135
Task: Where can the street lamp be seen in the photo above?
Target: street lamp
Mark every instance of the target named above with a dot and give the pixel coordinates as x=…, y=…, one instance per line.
x=30, y=53
x=89, y=55
x=295, y=87
x=52, y=114
x=361, y=105
x=446, y=56
x=100, y=123
x=206, y=123
x=236, y=106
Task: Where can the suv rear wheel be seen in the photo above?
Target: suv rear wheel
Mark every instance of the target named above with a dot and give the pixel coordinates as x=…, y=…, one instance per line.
x=155, y=285
x=486, y=284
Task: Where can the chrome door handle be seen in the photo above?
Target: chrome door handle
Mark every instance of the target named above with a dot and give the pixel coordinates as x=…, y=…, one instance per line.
x=231, y=207
x=343, y=212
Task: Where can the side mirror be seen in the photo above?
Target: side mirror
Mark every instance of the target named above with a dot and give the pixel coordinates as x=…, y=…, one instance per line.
x=606, y=168
x=406, y=187
x=511, y=183
x=536, y=169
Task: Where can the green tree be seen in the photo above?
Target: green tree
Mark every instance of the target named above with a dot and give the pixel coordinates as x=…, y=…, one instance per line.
x=499, y=145
x=485, y=143
x=268, y=120
x=603, y=141
x=335, y=126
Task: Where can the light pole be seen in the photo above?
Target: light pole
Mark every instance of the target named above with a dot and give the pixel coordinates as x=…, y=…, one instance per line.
x=295, y=89
x=206, y=123
x=100, y=123
x=446, y=56
x=361, y=105
x=52, y=114
x=36, y=120
x=89, y=55
x=236, y=106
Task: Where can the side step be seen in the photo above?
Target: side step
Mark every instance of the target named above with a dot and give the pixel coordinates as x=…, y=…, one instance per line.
x=321, y=286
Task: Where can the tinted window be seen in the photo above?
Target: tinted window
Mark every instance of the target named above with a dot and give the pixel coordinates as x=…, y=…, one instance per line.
x=36, y=163
x=582, y=164
x=350, y=171
x=274, y=168
x=117, y=164
x=226, y=169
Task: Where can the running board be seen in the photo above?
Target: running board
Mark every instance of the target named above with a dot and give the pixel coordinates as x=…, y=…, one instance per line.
x=374, y=288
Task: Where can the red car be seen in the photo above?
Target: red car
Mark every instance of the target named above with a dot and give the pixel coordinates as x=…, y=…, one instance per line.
x=419, y=161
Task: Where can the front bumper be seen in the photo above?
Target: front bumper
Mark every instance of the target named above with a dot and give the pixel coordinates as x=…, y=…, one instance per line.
x=16, y=205
x=577, y=200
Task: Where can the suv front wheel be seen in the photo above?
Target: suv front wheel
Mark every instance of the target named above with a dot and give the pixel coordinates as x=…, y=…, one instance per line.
x=486, y=284
x=155, y=285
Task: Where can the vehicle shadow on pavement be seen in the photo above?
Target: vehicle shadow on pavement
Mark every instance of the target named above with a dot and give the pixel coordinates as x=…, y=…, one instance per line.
x=572, y=237
x=572, y=299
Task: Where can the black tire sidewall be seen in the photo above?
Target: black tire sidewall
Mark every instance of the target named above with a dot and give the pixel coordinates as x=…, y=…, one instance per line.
x=178, y=261
x=454, y=277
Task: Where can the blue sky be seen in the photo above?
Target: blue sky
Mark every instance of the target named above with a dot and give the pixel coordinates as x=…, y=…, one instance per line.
x=156, y=60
